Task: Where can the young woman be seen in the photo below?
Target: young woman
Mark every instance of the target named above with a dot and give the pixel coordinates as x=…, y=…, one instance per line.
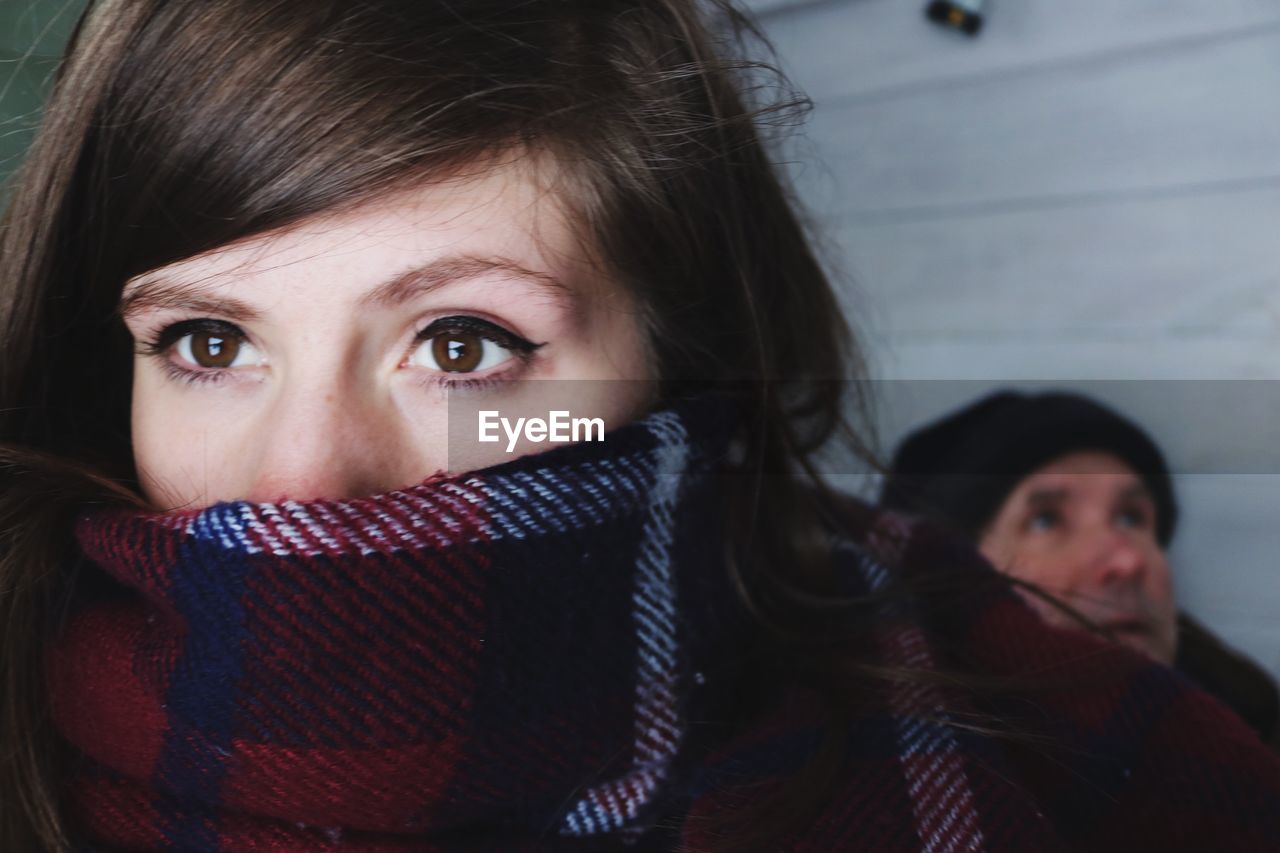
x=265, y=273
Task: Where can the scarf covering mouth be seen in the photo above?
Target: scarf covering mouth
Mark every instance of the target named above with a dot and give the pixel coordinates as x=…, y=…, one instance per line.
x=517, y=648
x=537, y=656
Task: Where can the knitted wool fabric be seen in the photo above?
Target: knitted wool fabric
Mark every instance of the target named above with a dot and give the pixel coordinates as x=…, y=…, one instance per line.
x=496, y=653
x=535, y=656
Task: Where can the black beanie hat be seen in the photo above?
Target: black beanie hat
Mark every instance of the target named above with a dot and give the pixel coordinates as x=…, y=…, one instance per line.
x=960, y=469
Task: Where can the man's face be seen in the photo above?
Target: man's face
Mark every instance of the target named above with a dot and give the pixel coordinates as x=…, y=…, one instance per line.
x=1084, y=529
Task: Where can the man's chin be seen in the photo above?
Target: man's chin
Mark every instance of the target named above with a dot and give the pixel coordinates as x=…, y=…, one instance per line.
x=1141, y=634
x=1139, y=640
x=1147, y=640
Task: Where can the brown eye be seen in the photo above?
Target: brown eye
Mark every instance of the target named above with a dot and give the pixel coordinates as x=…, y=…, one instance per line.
x=458, y=352
x=214, y=350
x=466, y=345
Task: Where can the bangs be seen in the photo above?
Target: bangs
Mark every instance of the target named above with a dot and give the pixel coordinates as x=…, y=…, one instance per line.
x=247, y=116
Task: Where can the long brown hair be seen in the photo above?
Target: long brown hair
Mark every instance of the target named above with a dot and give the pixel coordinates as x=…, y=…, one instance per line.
x=179, y=126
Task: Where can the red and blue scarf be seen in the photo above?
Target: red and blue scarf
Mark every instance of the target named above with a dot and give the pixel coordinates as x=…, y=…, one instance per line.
x=538, y=656
x=507, y=653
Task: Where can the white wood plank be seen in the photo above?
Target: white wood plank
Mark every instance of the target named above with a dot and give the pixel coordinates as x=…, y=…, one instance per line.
x=1038, y=358
x=863, y=48
x=1241, y=418
x=1168, y=266
x=1207, y=115
x=769, y=8
x=1224, y=559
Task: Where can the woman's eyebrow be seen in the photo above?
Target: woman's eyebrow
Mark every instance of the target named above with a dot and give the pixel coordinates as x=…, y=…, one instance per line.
x=456, y=268
x=157, y=293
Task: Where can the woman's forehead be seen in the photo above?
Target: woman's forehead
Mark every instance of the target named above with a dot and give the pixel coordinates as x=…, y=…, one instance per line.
x=503, y=218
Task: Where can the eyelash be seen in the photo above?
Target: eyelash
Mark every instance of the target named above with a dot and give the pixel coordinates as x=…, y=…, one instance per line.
x=521, y=348
x=163, y=341
x=160, y=345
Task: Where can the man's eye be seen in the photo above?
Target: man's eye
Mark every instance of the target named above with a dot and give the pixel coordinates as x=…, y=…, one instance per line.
x=1043, y=520
x=1132, y=518
x=467, y=345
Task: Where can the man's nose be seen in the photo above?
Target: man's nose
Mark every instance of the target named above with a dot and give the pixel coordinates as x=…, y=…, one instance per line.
x=331, y=445
x=1119, y=559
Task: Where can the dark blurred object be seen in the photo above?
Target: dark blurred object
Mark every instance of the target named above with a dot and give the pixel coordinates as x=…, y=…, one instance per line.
x=1232, y=677
x=963, y=15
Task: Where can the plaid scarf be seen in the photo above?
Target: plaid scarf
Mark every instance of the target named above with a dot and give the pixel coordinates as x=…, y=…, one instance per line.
x=531, y=657
x=495, y=655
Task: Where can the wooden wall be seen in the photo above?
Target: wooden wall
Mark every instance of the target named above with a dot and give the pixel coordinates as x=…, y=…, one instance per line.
x=1087, y=193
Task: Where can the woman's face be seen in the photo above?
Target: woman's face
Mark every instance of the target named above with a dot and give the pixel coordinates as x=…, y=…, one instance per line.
x=325, y=360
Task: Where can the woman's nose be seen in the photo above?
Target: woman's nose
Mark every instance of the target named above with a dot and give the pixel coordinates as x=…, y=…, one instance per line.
x=335, y=446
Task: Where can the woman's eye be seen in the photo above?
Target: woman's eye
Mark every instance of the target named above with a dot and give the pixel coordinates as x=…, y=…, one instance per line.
x=459, y=352
x=203, y=346
x=215, y=350
x=467, y=345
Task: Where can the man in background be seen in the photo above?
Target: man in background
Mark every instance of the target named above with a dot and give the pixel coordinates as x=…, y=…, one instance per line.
x=1074, y=500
